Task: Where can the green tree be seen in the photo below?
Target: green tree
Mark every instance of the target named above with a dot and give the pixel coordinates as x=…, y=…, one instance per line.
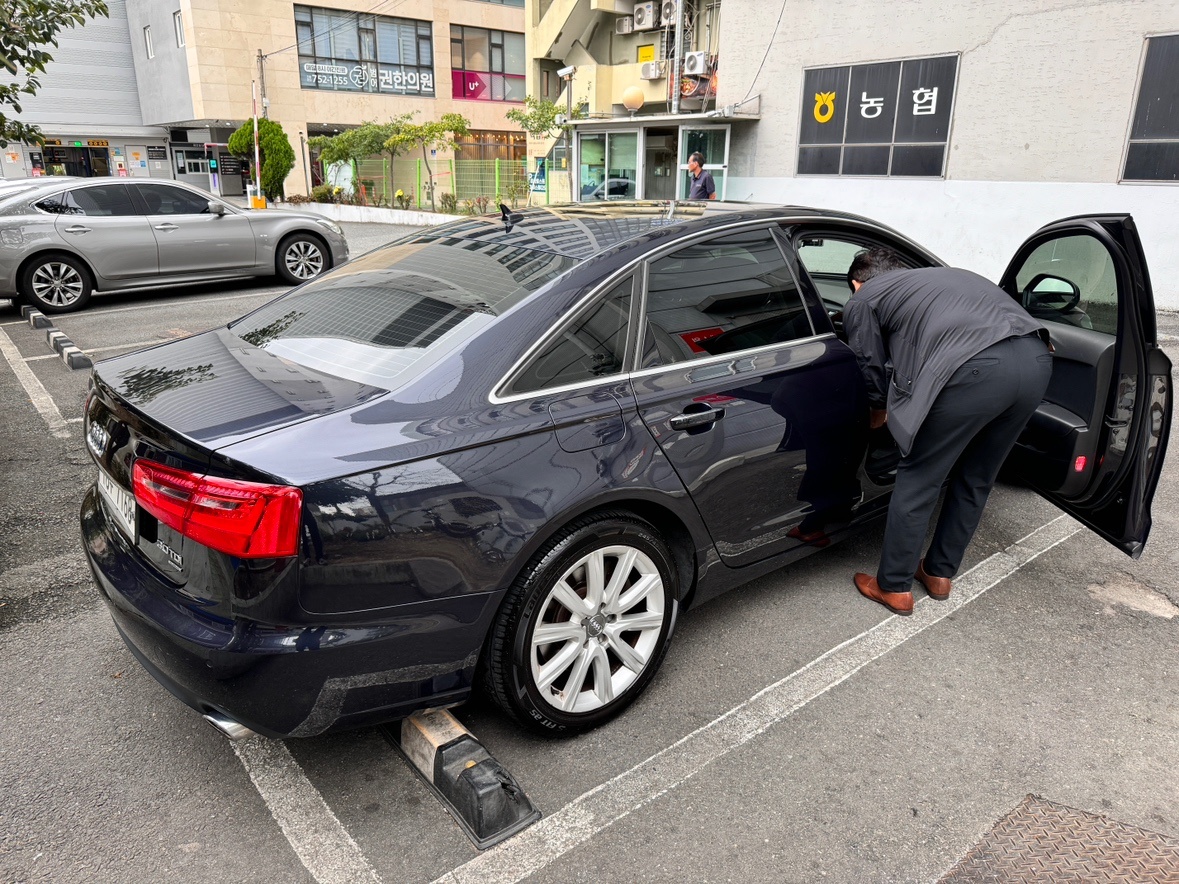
x=278, y=157
x=26, y=28
x=538, y=117
x=353, y=145
x=436, y=134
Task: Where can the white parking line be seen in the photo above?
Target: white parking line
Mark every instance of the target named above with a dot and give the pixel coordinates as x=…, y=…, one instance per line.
x=40, y=398
x=316, y=835
x=590, y=813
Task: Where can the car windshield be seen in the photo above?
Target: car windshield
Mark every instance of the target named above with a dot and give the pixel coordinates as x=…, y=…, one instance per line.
x=385, y=316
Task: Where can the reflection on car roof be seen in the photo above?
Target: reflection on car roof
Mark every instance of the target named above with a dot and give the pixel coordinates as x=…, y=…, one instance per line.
x=581, y=230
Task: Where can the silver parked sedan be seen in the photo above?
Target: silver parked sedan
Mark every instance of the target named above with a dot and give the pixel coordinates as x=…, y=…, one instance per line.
x=62, y=240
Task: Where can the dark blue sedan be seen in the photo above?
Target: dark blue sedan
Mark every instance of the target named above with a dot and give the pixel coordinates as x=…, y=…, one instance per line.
x=503, y=454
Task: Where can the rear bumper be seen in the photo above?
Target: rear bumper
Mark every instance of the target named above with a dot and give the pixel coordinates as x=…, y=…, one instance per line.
x=289, y=680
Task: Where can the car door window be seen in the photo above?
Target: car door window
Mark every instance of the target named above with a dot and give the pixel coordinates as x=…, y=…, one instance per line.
x=1071, y=280
x=103, y=200
x=163, y=199
x=731, y=293
x=592, y=346
x=827, y=261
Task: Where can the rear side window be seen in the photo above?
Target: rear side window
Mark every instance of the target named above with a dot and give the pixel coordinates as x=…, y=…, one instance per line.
x=592, y=346
x=721, y=296
x=96, y=202
x=389, y=315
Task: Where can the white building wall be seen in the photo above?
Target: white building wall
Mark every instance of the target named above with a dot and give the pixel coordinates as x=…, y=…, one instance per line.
x=1044, y=99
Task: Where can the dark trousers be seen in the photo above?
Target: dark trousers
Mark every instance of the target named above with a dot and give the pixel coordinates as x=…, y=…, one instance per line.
x=966, y=436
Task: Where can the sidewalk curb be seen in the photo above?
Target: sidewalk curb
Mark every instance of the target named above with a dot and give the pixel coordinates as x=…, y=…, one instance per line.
x=70, y=354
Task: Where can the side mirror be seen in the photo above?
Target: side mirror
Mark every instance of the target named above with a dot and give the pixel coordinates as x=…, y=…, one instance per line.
x=216, y=208
x=1047, y=295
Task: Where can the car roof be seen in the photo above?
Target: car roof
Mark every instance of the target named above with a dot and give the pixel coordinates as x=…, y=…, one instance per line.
x=582, y=230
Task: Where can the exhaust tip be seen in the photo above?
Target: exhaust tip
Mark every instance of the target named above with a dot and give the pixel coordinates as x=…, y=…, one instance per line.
x=228, y=727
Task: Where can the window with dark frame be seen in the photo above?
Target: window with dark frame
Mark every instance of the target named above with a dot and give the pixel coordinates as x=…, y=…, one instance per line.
x=723, y=295
x=357, y=52
x=487, y=65
x=1153, y=150
x=890, y=119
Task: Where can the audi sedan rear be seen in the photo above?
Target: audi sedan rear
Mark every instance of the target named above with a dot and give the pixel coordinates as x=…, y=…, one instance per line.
x=505, y=453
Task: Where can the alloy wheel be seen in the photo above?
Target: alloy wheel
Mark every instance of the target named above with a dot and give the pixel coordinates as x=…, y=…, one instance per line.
x=599, y=629
x=304, y=259
x=57, y=284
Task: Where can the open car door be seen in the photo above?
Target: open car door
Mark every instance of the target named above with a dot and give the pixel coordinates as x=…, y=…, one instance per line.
x=1095, y=445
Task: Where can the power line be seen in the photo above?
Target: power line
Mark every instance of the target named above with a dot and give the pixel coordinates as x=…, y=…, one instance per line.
x=297, y=43
x=769, y=46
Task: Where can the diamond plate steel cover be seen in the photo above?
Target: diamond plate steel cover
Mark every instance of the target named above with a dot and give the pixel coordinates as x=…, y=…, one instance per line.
x=1044, y=842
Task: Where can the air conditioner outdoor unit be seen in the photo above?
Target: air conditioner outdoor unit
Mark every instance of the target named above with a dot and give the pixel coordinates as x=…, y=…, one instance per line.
x=624, y=25
x=651, y=70
x=646, y=18
x=668, y=11
x=696, y=63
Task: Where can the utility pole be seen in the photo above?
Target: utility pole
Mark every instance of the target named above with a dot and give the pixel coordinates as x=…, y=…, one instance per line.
x=677, y=57
x=262, y=83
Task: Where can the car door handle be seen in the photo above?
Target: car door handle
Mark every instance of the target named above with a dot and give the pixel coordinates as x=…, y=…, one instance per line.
x=167, y=226
x=689, y=420
x=76, y=229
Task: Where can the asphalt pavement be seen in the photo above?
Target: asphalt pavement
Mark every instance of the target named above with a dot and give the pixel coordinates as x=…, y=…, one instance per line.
x=796, y=732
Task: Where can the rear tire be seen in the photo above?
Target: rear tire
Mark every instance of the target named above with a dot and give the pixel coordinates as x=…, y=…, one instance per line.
x=585, y=627
x=56, y=283
x=301, y=257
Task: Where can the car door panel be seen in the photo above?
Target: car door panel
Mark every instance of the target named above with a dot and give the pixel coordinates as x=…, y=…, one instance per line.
x=763, y=420
x=191, y=240
x=100, y=223
x=1096, y=444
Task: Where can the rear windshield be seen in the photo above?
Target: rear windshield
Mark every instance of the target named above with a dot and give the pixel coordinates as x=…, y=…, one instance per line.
x=388, y=315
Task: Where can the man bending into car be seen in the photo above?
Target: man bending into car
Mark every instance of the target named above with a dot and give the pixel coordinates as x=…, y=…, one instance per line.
x=969, y=367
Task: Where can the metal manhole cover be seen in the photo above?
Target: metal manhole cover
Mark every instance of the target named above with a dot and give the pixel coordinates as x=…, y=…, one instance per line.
x=1044, y=842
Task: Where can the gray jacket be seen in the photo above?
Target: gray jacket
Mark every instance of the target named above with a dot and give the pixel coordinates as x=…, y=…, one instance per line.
x=927, y=322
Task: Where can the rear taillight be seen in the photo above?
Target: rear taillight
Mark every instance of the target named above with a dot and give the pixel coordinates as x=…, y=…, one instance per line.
x=244, y=519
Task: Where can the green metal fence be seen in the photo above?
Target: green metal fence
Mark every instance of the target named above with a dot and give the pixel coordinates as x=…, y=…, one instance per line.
x=381, y=178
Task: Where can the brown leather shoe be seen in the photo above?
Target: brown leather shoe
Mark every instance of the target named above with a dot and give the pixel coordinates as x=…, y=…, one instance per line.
x=937, y=587
x=898, y=602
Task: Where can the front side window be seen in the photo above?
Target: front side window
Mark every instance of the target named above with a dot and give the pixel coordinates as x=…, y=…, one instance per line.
x=487, y=65
x=1153, y=151
x=357, y=52
x=1071, y=280
x=593, y=346
x=163, y=199
x=723, y=295
x=887, y=119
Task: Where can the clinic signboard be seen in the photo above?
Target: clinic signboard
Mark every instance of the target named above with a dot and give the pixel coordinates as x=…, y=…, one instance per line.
x=883, y=119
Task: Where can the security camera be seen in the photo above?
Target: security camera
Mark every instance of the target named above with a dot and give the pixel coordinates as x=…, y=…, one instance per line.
x=567, y=72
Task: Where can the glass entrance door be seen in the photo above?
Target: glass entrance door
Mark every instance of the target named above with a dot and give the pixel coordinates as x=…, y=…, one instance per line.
x=659, y=163
x=713, y=142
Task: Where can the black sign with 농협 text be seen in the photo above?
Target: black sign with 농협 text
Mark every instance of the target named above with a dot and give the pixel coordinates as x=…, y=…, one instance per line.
x=884, y=119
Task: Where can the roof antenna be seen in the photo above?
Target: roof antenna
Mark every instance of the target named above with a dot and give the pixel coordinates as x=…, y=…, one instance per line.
x=509, y=217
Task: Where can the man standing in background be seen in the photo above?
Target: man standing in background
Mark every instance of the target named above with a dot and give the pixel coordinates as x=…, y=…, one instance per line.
x=702, y=186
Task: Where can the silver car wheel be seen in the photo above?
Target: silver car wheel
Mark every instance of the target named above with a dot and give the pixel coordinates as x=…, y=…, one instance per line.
x=57, y=284
x=304, y=259
x=599, y=629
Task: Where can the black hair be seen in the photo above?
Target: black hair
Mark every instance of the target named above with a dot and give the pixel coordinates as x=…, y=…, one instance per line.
x=872, y=262
x=698, y=157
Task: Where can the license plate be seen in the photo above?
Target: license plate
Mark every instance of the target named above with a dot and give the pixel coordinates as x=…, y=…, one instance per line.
x=120, y=503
